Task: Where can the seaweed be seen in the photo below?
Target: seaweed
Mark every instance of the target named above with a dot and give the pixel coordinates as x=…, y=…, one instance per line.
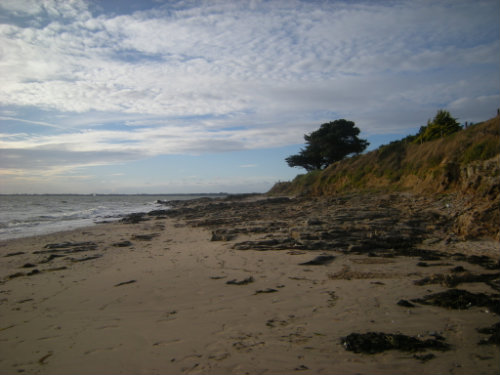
x=459, y=299
x=494, y=332
x=377, y=342
x=457, y=277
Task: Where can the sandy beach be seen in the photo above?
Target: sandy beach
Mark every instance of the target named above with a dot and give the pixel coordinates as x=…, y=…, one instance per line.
x=251, y=286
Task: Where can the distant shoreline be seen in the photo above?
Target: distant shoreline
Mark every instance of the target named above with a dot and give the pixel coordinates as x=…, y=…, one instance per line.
x=118, y=195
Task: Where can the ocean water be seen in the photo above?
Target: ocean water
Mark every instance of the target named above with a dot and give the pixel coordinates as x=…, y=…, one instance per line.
x=29, y=215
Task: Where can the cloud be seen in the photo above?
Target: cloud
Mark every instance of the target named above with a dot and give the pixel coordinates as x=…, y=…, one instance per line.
x=205, y=77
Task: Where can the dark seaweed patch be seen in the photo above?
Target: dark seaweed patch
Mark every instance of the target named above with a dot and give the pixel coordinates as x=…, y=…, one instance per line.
x=377, y=342
x=456, y=277
x=459, y=299
x=494, y=332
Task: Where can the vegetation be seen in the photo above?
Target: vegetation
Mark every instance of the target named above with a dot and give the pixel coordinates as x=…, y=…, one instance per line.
x=332, y=142
x=421, y=165
x=441, y=126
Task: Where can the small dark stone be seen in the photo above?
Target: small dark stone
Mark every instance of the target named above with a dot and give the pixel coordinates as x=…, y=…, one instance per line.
x=14, y=254
x=222, y=235
x=314, y=221
x=65, y=245
x=144, y=237
x=268, y=290
x=51, y=257
x=122, y=244
x=34, y=272
x=405, y=303
x=57, y=269
x=126, y=282
x=458, y=269
x=424, y=357
x=25, y=300
x=17, y=274
x=422, y=264
x=430, y=257
x=319, y=261
x=246, y=281
x=301, y=368
x=28, y=265
x=84, y=259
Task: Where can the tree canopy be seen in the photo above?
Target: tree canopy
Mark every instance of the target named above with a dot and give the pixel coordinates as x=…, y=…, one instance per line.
x=442, y=125
x=332, y=142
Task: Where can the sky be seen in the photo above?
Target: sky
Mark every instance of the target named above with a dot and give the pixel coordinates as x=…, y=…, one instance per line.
x=126, y=96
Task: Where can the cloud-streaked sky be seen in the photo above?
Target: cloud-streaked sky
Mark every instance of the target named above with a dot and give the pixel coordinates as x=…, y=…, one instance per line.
x=130, y=96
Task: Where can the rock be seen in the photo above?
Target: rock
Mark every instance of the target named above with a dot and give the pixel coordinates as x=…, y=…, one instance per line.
x=246, y=281
x=377, y=342
x=84, y=259
x=405, y=303
x=264, y=245
x=14, y=254
x=28, y=265
x=34, y=272
x=314, y=221
x=88, y=245
x=134, y=218
x=122, y=244
x=15, y=275
x=222, y=235
x=158, y=213
x=126, y=282
x=265, y=291
x=51, y=257
x=424, y=357
x=319, y=261
x=68, y=248
x=144, y=237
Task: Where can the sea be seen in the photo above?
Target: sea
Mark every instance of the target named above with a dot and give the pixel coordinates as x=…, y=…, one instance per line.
x=30, y=215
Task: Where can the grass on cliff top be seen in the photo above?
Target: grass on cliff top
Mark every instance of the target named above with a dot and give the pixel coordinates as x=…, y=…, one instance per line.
x=402, y=164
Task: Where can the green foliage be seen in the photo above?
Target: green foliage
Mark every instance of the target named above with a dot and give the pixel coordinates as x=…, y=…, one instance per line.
x=441, y=126
x=481, y=151
x=332, y=142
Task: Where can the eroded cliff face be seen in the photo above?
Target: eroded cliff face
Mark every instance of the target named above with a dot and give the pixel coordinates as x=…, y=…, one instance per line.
x=464, y=167
x=478, y=184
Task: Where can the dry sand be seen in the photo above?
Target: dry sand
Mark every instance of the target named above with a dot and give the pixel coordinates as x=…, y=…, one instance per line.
x=163, y=306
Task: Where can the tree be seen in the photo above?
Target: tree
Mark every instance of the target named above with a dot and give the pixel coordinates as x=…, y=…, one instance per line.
x=332, y=142
x=442, y=125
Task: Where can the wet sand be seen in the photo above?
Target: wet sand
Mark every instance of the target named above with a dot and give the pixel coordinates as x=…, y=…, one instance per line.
x=251, y=287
